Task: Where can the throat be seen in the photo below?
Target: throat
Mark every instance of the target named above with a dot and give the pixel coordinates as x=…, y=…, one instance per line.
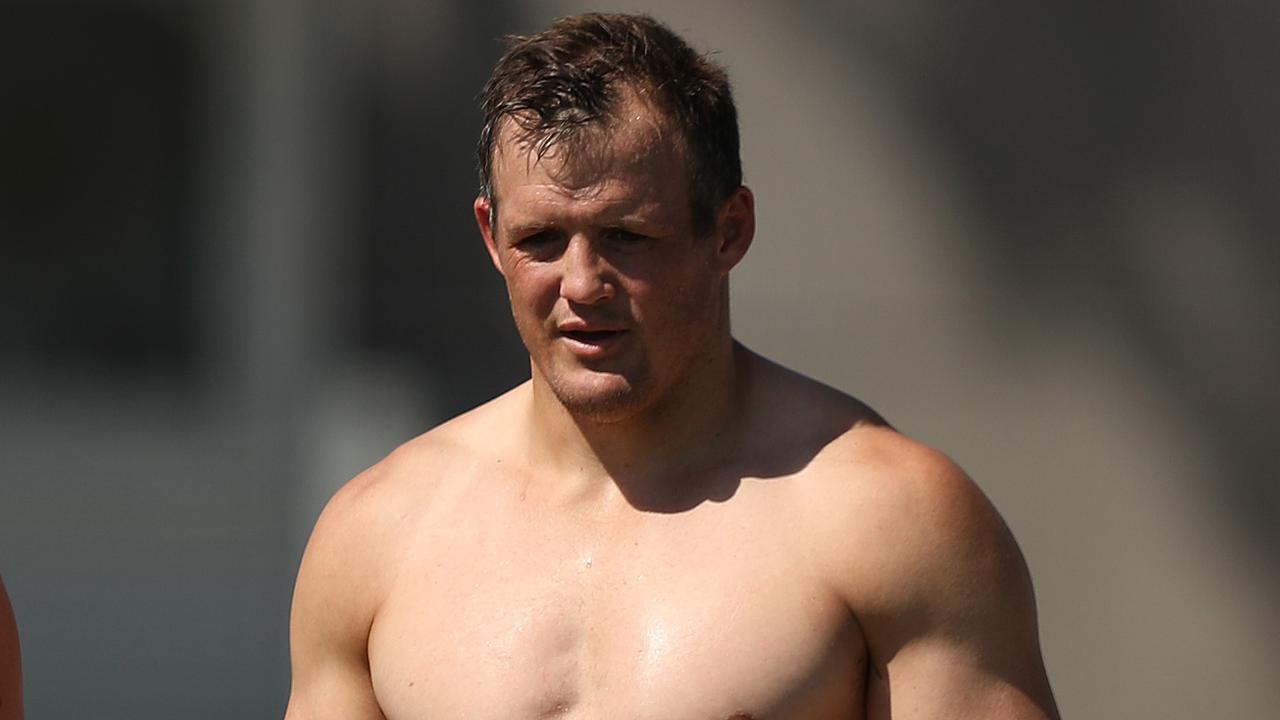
x=691, y=426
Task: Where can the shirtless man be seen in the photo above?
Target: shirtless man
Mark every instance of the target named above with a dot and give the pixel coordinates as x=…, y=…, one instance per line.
x=659, y=524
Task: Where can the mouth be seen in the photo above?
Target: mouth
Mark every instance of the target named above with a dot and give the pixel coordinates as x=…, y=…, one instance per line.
x=591, y=342
x=591, y=336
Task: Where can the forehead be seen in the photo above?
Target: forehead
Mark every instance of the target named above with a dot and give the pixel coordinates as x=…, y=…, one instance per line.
x=635, y=156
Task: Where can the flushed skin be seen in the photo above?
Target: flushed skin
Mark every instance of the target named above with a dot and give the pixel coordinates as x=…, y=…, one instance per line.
x=660, y=523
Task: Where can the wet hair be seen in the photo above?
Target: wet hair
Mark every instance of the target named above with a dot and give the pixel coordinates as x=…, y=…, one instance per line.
x=566, y=83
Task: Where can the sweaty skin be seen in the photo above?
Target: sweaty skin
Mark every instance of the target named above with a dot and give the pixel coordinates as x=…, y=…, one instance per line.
x=659, y=523
x=10, y=661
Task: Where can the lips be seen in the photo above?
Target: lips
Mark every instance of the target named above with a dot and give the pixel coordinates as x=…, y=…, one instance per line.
x=590, y=339
x=591, y=336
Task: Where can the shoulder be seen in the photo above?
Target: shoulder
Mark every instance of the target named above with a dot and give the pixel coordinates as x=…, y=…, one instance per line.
x=888, y=508
x=356, y=544
x=920, y=555
x=921, y=558
x=928, y=567
x=857, y=468
x=896, y=525
x=362, y=538
x=891, y=474
x=905, y=523
x=373, y=509
x=422, y=468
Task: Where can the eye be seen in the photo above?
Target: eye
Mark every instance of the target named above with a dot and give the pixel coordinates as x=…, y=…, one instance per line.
x=543, y=244
x=625, y=238
x=541, y=237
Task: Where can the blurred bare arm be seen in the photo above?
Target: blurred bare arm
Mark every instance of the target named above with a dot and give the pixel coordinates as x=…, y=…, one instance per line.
x=10, y=661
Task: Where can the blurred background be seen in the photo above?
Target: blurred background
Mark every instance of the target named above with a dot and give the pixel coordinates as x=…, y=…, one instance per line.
x=237, y=265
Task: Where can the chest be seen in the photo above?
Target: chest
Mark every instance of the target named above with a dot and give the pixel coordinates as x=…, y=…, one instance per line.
x=688, y=621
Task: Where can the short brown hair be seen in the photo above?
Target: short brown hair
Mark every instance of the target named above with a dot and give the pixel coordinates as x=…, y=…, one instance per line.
x=556, y=83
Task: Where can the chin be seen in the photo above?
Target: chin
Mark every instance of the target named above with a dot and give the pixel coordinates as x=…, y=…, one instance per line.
x=602, y=397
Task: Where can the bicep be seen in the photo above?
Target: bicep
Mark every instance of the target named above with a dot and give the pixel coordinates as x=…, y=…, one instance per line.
x=977, y=655
x=329, y=689
x=328, y=627
x=330, y=675
x=947, y=677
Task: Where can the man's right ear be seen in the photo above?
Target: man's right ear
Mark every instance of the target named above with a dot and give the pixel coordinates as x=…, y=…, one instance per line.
x=482, y=208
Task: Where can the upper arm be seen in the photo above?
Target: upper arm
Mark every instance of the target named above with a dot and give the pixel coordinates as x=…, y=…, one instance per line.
x=333, y=604
x=10, y=662
x=947, y=608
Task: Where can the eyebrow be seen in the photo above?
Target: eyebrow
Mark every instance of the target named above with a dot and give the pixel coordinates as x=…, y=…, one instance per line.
x=625, y=220
x=529, y=228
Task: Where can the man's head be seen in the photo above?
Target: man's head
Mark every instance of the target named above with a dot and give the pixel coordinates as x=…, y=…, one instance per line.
x=613, y=208
x=563, y=86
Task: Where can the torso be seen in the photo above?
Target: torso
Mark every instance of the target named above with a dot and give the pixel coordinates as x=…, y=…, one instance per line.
x=499, y=604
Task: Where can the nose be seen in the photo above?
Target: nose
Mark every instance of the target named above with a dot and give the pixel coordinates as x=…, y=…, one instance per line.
x=586, y=277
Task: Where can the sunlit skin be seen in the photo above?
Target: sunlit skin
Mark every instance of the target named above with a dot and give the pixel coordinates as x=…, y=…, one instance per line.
x=659, y=523
x=623, y=307
x=602, y=246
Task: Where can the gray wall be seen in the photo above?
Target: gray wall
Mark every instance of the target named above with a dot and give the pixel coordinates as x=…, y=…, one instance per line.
x=237, y=264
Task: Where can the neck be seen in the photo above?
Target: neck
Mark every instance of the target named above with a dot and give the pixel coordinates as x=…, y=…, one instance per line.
x=652, y=456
